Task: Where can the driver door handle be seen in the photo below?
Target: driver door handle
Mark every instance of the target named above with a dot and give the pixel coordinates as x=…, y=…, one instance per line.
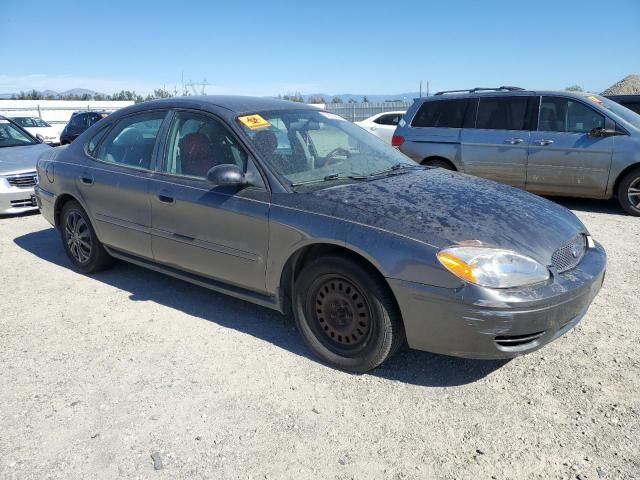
x=513, y=141
x=544, y=143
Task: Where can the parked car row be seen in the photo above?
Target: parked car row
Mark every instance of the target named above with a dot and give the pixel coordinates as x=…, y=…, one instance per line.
x=299, y=210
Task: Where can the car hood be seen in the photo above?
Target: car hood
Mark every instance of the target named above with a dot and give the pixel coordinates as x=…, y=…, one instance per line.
x=47, y=131
x=19, y=159
x=444, y=208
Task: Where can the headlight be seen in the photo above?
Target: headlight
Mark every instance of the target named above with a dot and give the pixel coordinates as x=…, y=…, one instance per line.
x=492, y=267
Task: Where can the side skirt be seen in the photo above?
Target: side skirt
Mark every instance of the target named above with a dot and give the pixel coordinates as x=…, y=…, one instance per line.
x=271, y=302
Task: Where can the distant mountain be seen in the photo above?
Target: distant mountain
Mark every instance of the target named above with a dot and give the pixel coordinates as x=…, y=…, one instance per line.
x=80, y=92
x=52, y=93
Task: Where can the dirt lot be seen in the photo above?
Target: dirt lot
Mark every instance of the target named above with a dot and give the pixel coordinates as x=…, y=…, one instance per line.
x=132, y=374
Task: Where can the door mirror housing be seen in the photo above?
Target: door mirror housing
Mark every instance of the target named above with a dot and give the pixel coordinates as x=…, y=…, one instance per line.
x=604, y=132
x=227, y=175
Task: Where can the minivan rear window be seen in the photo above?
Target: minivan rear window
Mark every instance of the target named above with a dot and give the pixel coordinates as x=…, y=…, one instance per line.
x=441, y=113
x=502, y=113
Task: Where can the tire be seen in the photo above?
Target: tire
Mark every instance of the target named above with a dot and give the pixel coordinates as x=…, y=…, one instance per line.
x=80, y=242
x=346, y=314
x=436, y=162
x=629, y=192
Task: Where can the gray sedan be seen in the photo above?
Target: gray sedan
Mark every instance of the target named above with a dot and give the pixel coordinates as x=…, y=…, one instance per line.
x=299, y=210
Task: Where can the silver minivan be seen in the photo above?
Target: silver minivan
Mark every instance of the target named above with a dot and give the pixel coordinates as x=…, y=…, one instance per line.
x=550, y=143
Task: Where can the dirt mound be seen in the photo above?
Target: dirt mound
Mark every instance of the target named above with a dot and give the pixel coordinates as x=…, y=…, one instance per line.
x=630, y=85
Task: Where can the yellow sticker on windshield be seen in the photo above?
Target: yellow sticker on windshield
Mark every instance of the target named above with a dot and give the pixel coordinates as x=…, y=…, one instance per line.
x=595, y=99
x=254, y=122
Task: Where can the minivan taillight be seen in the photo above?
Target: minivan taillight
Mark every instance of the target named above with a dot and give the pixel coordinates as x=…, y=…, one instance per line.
x=397, y=140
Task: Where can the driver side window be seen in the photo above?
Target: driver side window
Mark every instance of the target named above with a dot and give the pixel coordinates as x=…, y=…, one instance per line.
x=565, y=115
x=198, y=143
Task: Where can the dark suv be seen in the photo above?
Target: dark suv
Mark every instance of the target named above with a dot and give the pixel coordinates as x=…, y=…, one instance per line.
x=549, y=143
x=78, y=123
x=632, y=102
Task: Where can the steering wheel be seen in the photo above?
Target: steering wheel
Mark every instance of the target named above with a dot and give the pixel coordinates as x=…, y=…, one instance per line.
x=330, y=158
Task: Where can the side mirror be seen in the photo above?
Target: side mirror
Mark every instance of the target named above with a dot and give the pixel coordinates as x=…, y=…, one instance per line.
x=603, y=132
x=226, y=175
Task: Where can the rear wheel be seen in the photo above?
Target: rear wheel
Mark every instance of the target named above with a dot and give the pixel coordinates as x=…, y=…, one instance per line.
x=629, y=192
x=346, y=314
x=80, y=241
x=437, y=162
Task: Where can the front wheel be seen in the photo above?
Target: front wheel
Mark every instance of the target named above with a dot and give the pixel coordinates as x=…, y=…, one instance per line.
x=80, y=241
x=346, y=314
x=629, y=192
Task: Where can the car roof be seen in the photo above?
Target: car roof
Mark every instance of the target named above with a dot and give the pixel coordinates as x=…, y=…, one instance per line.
x=506, y=93
x=235, y=103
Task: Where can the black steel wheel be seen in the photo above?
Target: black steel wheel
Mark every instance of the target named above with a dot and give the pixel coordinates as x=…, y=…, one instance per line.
x=629, y=192
x=80, y=241
x=346, y=313
x=340, y=314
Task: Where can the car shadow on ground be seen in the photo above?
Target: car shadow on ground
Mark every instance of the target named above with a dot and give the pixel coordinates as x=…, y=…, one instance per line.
x=409, y=366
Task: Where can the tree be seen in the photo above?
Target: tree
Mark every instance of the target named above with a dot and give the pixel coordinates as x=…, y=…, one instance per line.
x=365, y=99
x=316, y=99
x=295, y=97
x=574, y=88
x=336, y=100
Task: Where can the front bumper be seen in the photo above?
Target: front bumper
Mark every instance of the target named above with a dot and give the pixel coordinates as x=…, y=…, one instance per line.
x=476, y=322
x=15, y=200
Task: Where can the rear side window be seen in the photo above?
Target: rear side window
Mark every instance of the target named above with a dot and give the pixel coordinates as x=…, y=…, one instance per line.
x=95, y=140
x=388, y=119
x=502, y=113
x=441, y=114
x=79, y=120
x=132, y=140
x=565, y=115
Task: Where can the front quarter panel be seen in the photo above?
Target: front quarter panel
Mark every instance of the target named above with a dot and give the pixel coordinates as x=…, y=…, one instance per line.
x=626, y=153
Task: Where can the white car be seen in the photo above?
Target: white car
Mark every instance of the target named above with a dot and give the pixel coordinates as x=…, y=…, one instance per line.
x=39, y=129
x=382, y=124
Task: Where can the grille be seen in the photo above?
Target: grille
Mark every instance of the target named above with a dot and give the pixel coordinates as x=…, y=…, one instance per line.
x=26, y=202
x=23, y=180
x=518, y=340
x=569, y=255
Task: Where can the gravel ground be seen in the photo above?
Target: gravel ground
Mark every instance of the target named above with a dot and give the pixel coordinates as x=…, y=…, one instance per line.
x=133, y=374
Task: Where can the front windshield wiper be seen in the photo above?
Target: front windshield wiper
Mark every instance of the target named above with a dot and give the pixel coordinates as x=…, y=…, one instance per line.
x=394, y=168
x=330, y=178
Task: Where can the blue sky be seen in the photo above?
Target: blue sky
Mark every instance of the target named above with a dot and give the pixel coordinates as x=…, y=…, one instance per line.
x=270, y=47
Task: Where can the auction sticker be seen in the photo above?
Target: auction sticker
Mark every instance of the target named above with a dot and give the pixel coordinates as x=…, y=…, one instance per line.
x=254, y=122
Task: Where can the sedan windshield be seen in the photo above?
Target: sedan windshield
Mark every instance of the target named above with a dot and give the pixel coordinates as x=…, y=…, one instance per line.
x=30, y=122
x=12, y=136
x=307, y=146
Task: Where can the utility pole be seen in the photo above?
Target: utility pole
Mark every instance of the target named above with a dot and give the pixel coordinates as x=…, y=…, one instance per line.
x=420, y=88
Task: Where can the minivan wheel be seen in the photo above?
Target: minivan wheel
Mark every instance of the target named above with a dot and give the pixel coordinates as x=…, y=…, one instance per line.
x=80, y=241
x=346, y=314
x=629, y=192
x=436, y=162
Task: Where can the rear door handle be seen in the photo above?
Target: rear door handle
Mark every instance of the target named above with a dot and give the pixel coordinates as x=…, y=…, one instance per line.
x=86, y=179
x=513, y=141
x=166, y=197
x=544, y=143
